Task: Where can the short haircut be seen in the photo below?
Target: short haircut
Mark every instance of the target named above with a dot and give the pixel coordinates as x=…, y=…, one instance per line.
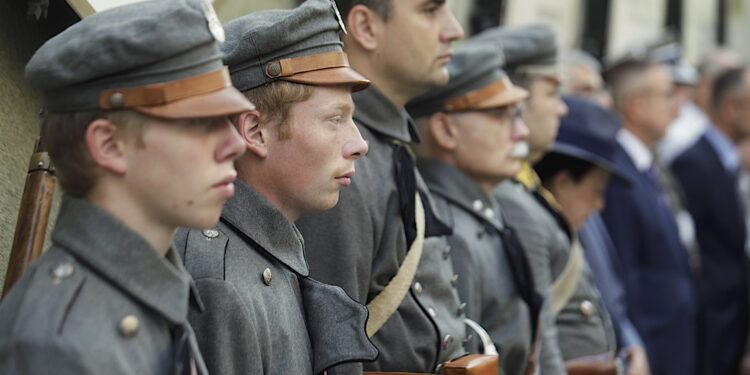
x=728, y=83
x=384, y=8
x=579, y=58
x=555, y=163
x=64, y=138
x=274, y=102
x=628, y=78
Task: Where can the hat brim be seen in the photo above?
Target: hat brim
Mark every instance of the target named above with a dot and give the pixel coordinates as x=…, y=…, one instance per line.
x=224, y=102
x=512, y=95
x=339, y=76
x=580, y=153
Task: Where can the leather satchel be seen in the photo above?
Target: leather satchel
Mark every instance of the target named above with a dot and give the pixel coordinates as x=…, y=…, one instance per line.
x=470, y=364
x=603, y=364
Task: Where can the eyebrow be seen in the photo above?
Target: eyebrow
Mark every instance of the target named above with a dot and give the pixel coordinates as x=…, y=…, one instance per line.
x=435, y=2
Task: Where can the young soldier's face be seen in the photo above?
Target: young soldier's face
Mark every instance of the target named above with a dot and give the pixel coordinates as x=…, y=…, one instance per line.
x=580, y=199
x=316, y=159
x=485, y=142
x=416, y=42
x=182, y=171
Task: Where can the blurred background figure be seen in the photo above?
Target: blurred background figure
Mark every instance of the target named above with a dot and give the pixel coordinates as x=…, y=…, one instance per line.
x=639, y=218
x=582, y=76
x=709, y=172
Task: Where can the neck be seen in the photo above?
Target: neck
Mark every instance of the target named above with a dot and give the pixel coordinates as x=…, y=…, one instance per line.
x=116, y=202
x=638, y=133
x=255, y=179
x=724, y=128
x=395, y=91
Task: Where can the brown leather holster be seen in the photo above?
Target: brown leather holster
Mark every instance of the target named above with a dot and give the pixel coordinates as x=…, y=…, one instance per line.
x=470, y=364
x=603, y=364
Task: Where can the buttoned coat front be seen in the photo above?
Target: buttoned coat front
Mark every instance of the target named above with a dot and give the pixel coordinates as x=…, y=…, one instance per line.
x=485, y=276
x=360, y=245
x=578, y=331
x=263, y=314
x=99, y=301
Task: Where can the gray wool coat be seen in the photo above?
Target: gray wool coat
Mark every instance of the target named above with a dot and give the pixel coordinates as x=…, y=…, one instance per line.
x=99, y=301
x=485, y=279
x=263, y=314
x=360, y=244
x=577, y=333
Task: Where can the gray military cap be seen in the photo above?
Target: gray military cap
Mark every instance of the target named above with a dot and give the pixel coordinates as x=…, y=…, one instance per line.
x=528, y=49
x=160, y=58
x=300, y=45
x=476, y=82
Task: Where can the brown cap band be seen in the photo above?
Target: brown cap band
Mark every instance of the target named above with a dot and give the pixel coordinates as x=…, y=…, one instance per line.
x=164, y=93
x=291, y=66
x=497, y=94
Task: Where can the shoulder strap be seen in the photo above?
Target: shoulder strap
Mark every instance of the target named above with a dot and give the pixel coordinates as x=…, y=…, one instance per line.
x=389, y=299
x=565, y=284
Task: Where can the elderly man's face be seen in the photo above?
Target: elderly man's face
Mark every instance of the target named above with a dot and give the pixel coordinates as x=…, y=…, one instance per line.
x=587, y=83
x=656, y=104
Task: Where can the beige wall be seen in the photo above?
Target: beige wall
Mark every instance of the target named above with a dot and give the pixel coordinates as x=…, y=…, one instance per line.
x=19, y=107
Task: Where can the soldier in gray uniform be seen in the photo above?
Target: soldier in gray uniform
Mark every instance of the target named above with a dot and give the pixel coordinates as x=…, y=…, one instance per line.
x=363, y=242
x=263, y=313
x=470, y=129
x=583, y=327
x=137, y=98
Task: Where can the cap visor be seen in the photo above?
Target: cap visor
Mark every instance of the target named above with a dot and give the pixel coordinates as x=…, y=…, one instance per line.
x=331, y=77
x=601, y=162
x=224, y=102
x=512, y=95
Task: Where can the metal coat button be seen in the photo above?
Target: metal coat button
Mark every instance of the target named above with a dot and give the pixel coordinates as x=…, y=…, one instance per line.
x=587, y=308
x=62, y=271
x=129, y=326
x=461, y=308
x=488, y=213
x=447, y=252
x=267, y=276
x=418, y=287
x=477, y=205
x=432, y=312
x=454, y=280
x=447, y=341
x=210, y=233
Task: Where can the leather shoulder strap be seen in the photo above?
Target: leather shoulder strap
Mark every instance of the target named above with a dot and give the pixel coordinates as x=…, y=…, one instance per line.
x=565, y=284
x=389, y=299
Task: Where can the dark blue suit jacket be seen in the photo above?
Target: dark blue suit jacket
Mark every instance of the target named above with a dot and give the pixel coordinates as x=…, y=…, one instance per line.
x=713, y=200
x=656, y=274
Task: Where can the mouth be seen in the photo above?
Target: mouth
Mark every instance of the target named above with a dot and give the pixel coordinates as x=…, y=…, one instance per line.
x=445, y=58
x=226, y=186
x=345, y=179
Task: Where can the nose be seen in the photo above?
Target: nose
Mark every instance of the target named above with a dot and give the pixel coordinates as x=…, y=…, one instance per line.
x=520, y=130
x=451, y=30
x=232, y=145
x=355, y=146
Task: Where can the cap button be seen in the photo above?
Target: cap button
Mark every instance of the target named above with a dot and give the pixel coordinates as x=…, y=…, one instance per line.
x=129, y=326
x=267, y=276
x=116, y=100
x=477, y=205
x=273, y=69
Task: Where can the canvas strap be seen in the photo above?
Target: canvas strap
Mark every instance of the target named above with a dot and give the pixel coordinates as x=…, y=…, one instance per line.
x=389, y=299
x=565, y=284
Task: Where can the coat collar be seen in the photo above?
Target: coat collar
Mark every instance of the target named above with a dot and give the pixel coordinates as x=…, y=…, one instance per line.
x=379, y=114
x=130, y=263
x=257, y=219
x=456, y=187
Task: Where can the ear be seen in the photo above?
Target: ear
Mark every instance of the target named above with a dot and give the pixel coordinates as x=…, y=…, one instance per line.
x=443, y=129
x=252, y=133
x=561, y=182
x=363, y=26
x=105, y=143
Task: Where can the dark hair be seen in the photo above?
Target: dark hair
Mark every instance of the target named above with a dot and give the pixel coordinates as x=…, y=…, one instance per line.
x=727, y=83
x=554, y=163
x=382, y=7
